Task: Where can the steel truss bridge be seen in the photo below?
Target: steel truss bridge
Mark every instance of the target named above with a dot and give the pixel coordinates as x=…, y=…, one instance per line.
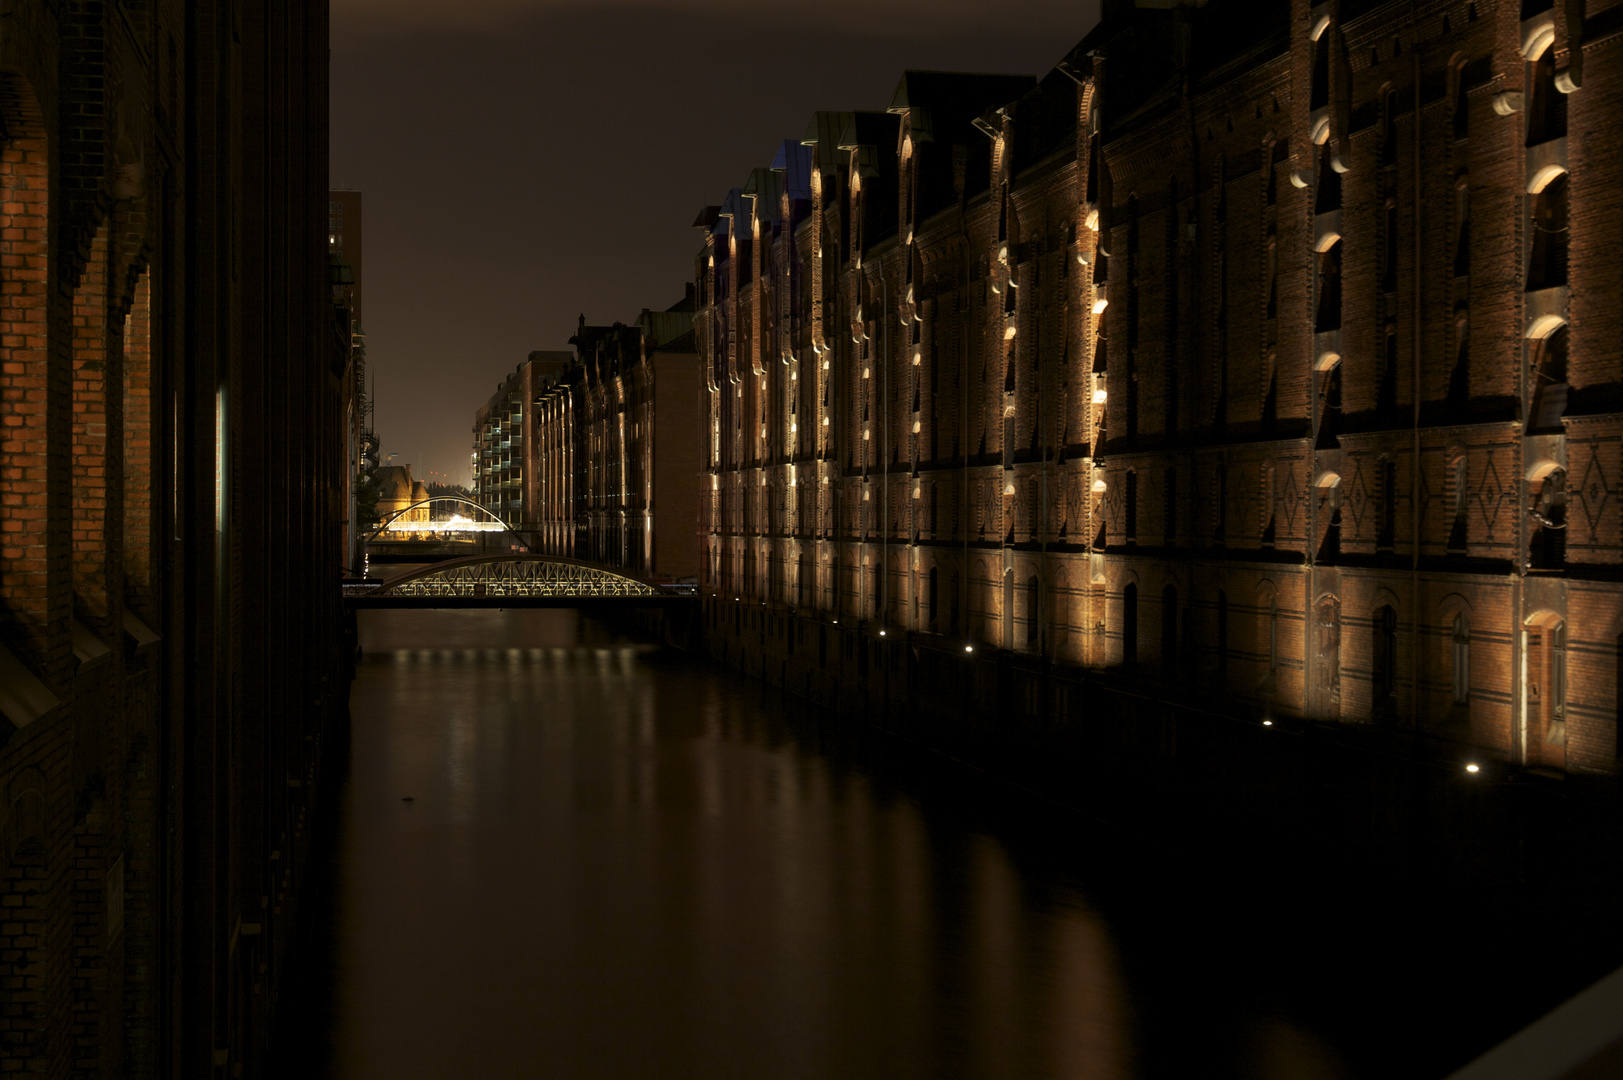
x=513, y=580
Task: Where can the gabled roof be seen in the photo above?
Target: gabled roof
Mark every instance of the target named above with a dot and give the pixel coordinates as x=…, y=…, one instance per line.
x=940, y=105
x=793, y=160
x=762, y=190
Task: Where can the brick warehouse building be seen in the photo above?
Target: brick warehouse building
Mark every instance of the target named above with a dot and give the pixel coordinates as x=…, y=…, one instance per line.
x=1264, y=353
x=594, y=454
x=505, y=479
x=171, y=391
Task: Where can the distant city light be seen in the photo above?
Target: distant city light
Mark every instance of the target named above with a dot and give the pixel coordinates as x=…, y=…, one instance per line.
x=456, y=524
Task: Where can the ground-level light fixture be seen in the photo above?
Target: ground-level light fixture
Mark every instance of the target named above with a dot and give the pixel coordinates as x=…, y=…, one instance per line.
x=969, y=648
x=1473, y=768
x=1267, y=723
x=881, y=633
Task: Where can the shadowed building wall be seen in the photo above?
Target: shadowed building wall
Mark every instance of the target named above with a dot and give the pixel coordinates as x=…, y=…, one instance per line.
x=171, y=657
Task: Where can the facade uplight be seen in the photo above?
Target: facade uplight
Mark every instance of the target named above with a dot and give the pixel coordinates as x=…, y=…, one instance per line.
x=1099, y=305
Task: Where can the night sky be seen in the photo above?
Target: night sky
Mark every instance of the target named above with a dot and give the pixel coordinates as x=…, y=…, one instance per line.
x=527, y=161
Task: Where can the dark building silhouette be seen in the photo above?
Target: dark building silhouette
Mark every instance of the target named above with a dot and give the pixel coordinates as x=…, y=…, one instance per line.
x=172, y=377
x=1260, y=352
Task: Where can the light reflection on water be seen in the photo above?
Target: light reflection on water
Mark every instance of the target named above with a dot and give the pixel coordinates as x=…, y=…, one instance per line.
x=564, y=855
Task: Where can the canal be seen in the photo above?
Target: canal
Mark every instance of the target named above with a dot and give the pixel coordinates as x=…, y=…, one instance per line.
x=562, y=853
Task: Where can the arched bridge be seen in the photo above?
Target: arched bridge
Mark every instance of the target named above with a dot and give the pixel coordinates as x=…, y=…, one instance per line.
x=514, y=580
x=396, y=521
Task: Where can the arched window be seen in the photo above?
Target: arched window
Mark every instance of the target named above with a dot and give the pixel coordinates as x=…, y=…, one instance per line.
x=1129, y=624
x=1462, y=102
x=1320, y=95
x=1389, y=128
x=1546, y=104
x=1549, y=390
x=1549, y=540
x=1384, y=655
x=930, y=593
x=1328, y=196
x=1550, y=226
x=1169, y=632
x=1329, y=313
x=1462, y=659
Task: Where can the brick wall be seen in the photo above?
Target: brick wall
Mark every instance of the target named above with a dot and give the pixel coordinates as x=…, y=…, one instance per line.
x=168, y=696
x=1258, y=321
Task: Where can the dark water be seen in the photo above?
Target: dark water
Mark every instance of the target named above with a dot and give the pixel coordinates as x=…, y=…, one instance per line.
x=562, y=854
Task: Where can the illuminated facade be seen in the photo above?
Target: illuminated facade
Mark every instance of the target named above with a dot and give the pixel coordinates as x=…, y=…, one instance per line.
x=1268, y=353
x=595, y=453
x=400, y=503
x=635, y=412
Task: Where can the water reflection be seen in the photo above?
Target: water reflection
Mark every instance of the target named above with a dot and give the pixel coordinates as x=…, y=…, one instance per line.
x=612, y=864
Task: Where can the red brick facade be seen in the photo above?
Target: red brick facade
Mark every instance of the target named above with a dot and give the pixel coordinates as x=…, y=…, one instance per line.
x=171, y=458
x=594, y=455
x=1267, y=353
